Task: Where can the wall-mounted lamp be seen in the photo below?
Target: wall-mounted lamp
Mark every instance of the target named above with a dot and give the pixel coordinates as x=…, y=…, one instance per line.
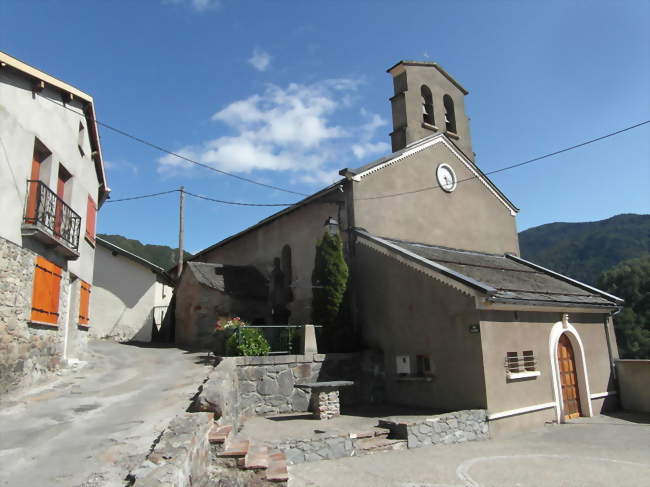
x=332, y=226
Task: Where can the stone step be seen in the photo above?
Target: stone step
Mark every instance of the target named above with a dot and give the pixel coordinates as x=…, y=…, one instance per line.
x=219, y=434
x=277, y=470
x=379, y=443
x=257, y=457
x=235, y=448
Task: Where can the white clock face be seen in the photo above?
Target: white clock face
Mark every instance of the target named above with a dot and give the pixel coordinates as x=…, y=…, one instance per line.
x=446, y=177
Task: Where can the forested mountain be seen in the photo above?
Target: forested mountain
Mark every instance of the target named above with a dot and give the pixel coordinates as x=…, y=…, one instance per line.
x=585, y=250
x=161, y=255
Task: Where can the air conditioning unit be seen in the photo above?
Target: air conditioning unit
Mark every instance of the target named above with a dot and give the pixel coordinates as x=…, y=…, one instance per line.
x=403, y=364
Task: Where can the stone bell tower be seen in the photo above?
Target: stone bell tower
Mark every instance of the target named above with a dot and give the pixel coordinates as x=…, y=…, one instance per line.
x=427, y=101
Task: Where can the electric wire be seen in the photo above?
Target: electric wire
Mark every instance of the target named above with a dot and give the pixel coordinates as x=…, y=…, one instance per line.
x=207, y=198
x=513, y=166
x=175, y=154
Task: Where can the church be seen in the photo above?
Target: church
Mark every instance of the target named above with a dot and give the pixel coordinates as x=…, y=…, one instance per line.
x=436, y=281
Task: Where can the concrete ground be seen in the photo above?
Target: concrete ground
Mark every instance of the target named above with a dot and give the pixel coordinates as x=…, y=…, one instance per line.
x=93, y=423
x=601, y=451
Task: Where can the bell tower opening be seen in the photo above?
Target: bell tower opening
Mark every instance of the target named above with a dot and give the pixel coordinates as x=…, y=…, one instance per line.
x=423, y=94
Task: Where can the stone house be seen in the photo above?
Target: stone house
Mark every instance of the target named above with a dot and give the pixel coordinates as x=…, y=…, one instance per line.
x=52, y=183
x=208, y=292
x=130, y=297
x=436, y=284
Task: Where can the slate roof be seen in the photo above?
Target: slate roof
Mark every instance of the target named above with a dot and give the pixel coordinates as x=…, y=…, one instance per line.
x=238, y=281
x=504, y=278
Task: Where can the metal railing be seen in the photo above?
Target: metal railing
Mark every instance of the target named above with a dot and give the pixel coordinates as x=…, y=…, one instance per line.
x=45, y=209
x=283, y=339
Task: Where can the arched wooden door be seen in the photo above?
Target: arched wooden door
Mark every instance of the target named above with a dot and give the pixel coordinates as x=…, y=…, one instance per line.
x=568, y=378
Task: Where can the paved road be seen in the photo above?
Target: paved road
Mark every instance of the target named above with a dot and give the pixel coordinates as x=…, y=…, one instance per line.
x=600, y=451
x=91, y=425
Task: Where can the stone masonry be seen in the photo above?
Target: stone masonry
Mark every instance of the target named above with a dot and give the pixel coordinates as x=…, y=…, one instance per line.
x=27, y=351
x=325, y=404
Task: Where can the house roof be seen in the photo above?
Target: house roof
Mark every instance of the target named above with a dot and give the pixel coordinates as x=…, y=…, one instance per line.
x=135, y=258
x=504, y=278
x=71, y=92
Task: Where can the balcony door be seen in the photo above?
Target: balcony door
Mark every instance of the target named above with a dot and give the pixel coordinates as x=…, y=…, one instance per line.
x=63, y=177
x=31, y=212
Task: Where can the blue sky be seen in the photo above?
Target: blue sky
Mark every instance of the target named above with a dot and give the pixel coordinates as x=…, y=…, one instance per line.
x=290, y=92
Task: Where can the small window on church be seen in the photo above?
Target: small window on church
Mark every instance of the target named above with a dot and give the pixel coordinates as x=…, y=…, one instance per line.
x=512, y=362
x=450, y=115
x=427, y=105
x=529, y=360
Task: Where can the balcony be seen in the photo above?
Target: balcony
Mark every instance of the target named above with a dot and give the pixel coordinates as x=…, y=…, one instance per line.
x=49, y=219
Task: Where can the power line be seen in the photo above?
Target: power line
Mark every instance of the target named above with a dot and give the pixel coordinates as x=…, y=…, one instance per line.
x=207, y=198
x=236, y=202
x=175, y=154
x=141, y=196
x=506, y=168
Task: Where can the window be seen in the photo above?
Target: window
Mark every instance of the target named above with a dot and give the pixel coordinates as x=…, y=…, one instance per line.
x=81, y=139
x=40, y=154
x=427, y=105
x=45, y=295
x=91, y=217
x=84, y=303
x=450, y=116
x=521, y=366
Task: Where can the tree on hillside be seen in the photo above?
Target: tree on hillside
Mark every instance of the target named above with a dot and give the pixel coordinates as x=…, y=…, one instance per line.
x=630, y=280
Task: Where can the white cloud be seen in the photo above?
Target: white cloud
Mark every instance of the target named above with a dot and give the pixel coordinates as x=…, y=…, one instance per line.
x=260, y=59
x=287, y=129
x=198, y=5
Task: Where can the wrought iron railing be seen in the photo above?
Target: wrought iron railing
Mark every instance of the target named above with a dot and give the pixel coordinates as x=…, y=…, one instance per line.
x=46, y=210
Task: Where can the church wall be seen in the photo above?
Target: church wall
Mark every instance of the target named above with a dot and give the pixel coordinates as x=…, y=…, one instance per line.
x=403, y=311
x=507, y=331
x=470, y=217
x=300, y=229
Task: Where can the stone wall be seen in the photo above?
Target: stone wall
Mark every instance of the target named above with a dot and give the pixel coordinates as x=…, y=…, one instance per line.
x=181, y=457
x=26, y=351
x=250, y=386
x=454, y=427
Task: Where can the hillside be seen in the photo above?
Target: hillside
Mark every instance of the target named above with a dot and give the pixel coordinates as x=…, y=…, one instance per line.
x=161, y=255
x=585, y=250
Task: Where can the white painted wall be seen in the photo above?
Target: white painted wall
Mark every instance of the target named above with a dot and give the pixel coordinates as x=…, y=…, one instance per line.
x=25, y=116
x=124, y=295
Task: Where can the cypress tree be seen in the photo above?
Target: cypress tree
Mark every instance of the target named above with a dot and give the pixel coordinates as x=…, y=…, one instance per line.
x=329, y=280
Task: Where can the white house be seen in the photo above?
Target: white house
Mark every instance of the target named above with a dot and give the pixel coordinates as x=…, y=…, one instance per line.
x=52, y=183
x=130, y=295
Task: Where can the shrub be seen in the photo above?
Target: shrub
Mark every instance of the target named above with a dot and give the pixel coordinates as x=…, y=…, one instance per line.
x=248, y=342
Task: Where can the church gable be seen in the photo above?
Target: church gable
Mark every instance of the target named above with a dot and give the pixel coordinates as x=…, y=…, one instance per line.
x=431, y=193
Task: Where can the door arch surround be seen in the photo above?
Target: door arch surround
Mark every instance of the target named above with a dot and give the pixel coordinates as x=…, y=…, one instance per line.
x=565, y=328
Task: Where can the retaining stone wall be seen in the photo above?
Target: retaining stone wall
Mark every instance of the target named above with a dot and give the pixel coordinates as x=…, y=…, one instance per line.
x=250, y=386
x=313, y=450
x=182, y=456
x=27, y=352
x=454, y=427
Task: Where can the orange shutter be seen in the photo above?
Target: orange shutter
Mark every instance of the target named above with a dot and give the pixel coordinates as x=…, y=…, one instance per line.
x=91, y=216
x=45, y=296
x=84, y=303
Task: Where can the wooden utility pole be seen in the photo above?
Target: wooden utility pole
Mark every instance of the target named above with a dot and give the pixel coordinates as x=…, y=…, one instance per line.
x=181, y=232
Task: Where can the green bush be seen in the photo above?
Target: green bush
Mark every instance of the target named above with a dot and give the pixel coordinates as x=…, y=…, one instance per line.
x=248, y=342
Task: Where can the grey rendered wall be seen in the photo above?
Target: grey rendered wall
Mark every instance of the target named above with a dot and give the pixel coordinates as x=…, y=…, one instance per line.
x=507, y=331
x=471, y=217
x=123, y=297
x=300, y=230
x=634, y=384
x=403, y=311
